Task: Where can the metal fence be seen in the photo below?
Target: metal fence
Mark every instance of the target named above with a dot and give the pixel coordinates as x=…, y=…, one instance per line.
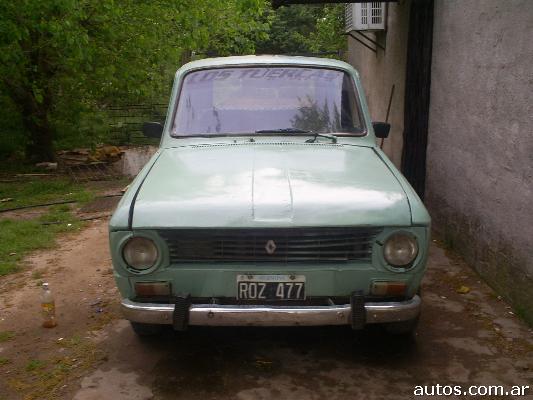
x=126, y=122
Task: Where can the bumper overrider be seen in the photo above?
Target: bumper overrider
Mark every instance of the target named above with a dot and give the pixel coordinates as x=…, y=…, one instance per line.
x=357, y=314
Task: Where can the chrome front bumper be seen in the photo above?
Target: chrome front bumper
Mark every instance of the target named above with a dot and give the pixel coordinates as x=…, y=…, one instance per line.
x=252, y=315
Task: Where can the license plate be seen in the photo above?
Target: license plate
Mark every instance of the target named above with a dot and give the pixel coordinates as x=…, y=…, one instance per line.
x=271, y=287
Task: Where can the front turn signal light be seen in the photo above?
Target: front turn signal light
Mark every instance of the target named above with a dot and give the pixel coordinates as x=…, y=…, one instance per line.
x=152, y=289
x=388, y=288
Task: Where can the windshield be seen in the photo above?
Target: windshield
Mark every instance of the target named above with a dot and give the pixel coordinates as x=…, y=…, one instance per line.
x=267, y=99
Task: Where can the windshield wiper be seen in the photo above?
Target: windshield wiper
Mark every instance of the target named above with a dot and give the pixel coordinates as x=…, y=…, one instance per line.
x=296, y=130
x=324, y=135
x=284, y=130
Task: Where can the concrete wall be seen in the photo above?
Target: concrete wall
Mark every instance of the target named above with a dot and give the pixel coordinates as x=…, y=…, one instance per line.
x=380, y=71
x=480, y=154
x=134, y=159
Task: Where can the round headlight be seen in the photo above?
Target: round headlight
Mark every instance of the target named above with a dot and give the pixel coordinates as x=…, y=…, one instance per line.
x=140, y=253
x=400, y=249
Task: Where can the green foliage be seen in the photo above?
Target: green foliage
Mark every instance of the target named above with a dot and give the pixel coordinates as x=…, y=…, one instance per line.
x=63, y=63
x=328, y=35
x=6, y=335
x=12, y=135
x=304, y=29
x=63, y=60
x=290, y=30
x=34, y=365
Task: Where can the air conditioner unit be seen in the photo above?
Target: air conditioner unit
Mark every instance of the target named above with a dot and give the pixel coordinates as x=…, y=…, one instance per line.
x=369, y=16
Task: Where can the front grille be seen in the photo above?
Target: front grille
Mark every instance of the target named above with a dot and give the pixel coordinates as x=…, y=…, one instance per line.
x=319, y=245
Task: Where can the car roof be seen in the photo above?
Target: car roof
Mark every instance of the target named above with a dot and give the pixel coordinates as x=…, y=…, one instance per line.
x=265, y=59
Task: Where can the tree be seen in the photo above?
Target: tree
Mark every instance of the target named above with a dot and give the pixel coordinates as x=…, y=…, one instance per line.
x=304, y=29
x=39, y=41
x=59, y=59
x=64, y=61
x=329, y=33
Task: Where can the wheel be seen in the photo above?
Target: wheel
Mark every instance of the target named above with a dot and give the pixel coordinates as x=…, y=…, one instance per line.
x=403, y=328
x=145, y=330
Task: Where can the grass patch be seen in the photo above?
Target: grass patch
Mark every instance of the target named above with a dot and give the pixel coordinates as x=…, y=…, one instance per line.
x=523, y=313
x=34, y=365
x=46, y=378
x=4, y=361
x=46, y=190
x=6, y=335
x=19, y=237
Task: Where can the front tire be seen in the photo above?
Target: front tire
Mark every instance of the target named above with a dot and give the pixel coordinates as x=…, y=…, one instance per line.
x=146, y=330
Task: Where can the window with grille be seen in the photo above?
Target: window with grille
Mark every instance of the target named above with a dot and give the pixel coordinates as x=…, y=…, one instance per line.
x=368, y=16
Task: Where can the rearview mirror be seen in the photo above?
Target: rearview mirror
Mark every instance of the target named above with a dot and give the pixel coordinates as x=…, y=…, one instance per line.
x=152, y=129
x=381, y=129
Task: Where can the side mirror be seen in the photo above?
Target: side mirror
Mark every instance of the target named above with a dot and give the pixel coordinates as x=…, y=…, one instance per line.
x=381, y=129
x=152, y=129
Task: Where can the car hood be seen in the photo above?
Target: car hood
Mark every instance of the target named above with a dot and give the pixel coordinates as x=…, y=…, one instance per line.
x=270, y=185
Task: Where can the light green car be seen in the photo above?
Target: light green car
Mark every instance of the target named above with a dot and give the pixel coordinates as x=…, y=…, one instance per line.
x=269, y=203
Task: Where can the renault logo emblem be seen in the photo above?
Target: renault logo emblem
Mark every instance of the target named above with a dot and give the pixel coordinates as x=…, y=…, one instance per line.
x=270, y=247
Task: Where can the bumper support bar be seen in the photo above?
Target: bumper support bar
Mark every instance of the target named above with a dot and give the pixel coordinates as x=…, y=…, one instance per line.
x=180, y=314
x=358, y=319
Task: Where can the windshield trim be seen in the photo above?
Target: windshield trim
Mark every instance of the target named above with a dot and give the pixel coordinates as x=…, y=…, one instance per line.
x=364, y=131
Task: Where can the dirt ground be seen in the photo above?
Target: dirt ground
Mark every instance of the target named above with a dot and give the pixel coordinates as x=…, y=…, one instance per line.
x=463, y=339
